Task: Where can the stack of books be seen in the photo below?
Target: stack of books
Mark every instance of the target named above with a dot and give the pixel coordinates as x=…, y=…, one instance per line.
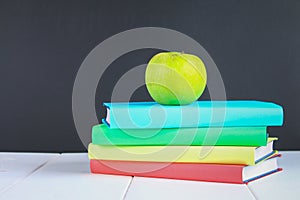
x=218, y=141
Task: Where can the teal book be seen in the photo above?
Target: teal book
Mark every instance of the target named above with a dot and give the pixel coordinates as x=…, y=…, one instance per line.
x=213, y=136
x=237, y=113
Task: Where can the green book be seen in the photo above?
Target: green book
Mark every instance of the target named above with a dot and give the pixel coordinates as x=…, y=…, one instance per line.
x=213, y=136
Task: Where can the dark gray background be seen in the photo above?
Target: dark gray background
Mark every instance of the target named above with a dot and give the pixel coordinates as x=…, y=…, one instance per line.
x=255, y=44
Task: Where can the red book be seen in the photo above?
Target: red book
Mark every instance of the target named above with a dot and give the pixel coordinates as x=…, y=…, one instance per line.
x=187, y=171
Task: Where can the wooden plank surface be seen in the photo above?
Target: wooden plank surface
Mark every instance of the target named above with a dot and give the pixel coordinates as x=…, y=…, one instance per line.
x=153, y=188
x=14, y=167
x=68, y=177
x=282, y=185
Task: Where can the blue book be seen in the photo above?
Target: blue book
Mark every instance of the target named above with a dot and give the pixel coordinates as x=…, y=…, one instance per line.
x=151, y=115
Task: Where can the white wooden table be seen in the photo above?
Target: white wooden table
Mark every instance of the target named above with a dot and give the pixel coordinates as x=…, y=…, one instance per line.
x=66, y=176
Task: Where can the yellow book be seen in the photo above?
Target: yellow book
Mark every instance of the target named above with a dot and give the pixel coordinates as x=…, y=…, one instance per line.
x=184, y=154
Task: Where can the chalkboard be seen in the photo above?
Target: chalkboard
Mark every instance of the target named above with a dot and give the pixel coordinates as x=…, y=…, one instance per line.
x=255, y=45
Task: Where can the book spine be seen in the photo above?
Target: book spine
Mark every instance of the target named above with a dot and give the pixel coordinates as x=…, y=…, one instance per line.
x=181, y=171
x=190, y=154
x=226, y=136
x=177, y=117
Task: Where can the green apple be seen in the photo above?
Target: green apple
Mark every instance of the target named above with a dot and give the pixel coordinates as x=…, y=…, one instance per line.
x=174, y=78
